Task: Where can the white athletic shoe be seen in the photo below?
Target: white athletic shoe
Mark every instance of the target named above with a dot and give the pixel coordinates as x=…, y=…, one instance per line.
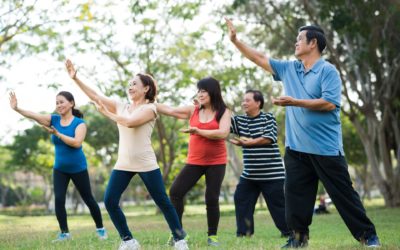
x=181, y=245
x=129, y=245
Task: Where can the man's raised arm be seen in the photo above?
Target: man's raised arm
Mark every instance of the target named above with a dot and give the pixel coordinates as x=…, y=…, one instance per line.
x=253, y=55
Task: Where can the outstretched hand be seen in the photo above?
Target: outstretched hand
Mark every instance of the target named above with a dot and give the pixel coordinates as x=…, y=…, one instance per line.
x=71, y=69
x=231, y=29
x=239, y=141
x=101, y=107
x=235, y=142
x=284, y=101
x=51, y=130
x=190, y=130
x=13, y=100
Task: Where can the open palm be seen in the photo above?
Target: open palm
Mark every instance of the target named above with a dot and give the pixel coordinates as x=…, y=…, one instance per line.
x=13, y=101
x=70, y=68
x=231, y=29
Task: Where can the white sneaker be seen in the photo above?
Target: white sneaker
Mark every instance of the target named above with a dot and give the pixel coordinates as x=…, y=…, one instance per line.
x=129, y=245
x=181, y=245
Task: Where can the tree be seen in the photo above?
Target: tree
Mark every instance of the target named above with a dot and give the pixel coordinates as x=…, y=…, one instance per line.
x=31, y=152
x=355, y=156
x=27, y=27
x=5, y=175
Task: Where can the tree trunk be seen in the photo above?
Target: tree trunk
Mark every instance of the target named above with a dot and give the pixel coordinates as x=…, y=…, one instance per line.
x=4, y=192
x=389, y=192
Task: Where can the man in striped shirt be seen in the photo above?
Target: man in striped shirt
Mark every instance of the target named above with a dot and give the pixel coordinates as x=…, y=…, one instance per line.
x=263, y=170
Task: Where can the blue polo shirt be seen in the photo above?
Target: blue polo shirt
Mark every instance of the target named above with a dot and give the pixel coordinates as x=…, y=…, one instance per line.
x=68, y=159
x=310, y=131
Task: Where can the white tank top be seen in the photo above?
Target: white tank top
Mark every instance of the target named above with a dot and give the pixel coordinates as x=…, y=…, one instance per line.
x=135, y=152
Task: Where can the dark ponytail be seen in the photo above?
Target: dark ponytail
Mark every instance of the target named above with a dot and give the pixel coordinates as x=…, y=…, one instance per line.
x=77, y=113
x=70, y=98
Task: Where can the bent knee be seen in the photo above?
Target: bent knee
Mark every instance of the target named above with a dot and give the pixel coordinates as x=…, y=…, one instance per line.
x=175, y=193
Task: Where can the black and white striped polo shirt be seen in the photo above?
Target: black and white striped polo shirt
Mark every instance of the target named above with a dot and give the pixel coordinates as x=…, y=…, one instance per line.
x=264, y=162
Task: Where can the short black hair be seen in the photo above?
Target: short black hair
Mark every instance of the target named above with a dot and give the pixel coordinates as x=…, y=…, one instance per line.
x=257, y=96
x=315, y=32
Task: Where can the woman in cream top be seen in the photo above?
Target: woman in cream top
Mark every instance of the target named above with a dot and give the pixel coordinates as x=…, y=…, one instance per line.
x=135, y=154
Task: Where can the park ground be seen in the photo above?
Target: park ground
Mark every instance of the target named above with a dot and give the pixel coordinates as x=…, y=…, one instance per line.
x=150, y=229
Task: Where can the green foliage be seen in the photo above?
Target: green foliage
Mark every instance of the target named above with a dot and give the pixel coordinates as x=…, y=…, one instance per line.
x=102, y=135
x=27, y=153
x=186, y=11
x=36, y=195
x=27, y=28
x=353, y=147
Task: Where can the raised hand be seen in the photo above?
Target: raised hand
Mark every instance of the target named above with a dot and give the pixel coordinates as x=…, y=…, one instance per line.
x=13, y=100
x=231, y=29
x=71, y=69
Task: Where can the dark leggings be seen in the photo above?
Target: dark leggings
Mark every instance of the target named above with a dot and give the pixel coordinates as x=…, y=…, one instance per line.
x=82, y=183
x=187, y=178
x=117, y=184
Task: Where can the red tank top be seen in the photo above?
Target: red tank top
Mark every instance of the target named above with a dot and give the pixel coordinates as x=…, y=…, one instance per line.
x=204, y=151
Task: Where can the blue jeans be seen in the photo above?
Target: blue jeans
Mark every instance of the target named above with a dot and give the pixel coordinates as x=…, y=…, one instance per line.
x=117, y=184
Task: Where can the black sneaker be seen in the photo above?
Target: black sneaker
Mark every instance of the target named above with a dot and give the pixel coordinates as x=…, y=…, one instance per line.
x=297, y=240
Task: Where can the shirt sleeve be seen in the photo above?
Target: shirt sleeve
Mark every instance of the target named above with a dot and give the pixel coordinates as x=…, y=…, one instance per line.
x=54, y=119
x=79, y=121
x=270, y=128
x=331, y=87
x=279, y=67
x=234, y=127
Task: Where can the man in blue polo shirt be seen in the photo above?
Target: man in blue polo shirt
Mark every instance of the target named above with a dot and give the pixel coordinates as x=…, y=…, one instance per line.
x=314, y=149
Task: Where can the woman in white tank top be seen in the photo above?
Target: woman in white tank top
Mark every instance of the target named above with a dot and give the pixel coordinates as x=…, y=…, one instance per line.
x=135, y=122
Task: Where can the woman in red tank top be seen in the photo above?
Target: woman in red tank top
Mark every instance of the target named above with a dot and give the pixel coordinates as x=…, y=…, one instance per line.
x=209, y=125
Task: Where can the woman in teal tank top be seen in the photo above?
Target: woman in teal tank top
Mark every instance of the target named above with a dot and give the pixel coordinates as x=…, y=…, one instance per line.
x=68, y=132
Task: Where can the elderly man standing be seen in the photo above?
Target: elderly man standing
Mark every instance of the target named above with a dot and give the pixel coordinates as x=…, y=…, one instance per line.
x=263, y=170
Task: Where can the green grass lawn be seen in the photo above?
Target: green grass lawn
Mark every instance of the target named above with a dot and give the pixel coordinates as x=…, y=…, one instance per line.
x=327, y=231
